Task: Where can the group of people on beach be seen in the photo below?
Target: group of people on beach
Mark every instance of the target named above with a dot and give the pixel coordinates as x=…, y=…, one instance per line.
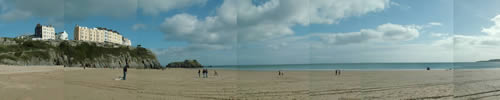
x=337, y=72
x=280, y=73
x=205, y=73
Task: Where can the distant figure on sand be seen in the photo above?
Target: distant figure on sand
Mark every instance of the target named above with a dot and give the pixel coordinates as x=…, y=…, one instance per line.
x=125, y=72
x=337, y=72
x=428, y=68
x=280, y=73
x=205, y=73
x=215, y=73
x=199, y=71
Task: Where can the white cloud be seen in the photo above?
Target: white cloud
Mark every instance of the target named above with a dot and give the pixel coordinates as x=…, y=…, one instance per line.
x=472, y=48
x=435, y=24
x=205, y=55
x=3, y=6
x=383, y=33
x=495, y=29
x=136, y=27
x=14, y=15
x=330, y=11
x=463, y=41
x=153, y=7
x=185, y=27
x=21, y=9
x=244, y=21
x=381, y=53
x=468, y=48
x=395, y=4
x=491, y=39
x=81, y=9
x=435, y=34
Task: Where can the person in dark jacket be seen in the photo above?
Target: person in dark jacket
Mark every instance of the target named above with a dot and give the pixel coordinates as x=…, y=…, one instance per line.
x=125, y=72
x=199, y=71
x=205, y=73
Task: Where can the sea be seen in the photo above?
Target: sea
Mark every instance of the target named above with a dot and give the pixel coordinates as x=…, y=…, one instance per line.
x=364, y=66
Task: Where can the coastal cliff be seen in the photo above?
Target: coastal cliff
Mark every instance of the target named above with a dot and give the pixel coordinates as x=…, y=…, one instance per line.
x=71, y=53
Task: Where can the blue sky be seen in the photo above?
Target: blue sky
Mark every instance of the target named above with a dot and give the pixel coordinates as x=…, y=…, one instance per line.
x=220, y=32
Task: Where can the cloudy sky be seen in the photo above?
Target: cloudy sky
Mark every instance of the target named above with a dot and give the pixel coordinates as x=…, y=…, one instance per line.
x=230, y=32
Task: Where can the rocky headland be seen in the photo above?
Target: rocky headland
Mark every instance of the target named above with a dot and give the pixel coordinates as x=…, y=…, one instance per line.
x=72, y=53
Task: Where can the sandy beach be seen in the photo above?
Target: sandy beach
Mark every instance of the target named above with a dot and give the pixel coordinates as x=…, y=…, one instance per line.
x=58, y=83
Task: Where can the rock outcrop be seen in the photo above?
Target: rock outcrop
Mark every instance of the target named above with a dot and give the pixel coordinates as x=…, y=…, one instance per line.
x=72, y=53
x=185, y=64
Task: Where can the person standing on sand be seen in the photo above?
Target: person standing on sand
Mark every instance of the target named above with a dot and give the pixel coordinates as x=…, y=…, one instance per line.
x=340, y=71
x=205, y=73
x=336, y=72
x=215, y=73
x=125, y=72
x=199, y=71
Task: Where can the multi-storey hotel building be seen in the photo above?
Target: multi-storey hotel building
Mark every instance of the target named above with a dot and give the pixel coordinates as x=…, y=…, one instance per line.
x=99, y=34
x=43, y=32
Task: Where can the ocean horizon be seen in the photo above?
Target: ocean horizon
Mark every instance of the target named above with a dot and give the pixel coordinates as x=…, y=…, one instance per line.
x=364, y=66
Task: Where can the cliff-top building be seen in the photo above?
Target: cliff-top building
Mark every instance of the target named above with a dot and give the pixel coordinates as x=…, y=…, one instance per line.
x=99, y=34
x=43, y=32
x=62, y=36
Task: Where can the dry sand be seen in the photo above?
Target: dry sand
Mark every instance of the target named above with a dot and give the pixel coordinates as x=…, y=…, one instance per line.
x=53, y=83
x=31, y=83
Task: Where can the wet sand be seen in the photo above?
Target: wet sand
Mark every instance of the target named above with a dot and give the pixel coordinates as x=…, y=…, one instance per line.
x=52, y=83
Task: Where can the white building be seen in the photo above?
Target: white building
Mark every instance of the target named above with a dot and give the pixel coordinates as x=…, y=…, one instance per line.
x=127, y=42
x=43, y=32
x=26, y=36
x=99, y=34
x=62, y=36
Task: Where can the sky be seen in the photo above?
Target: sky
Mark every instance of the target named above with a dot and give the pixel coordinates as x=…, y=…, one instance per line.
x=255, y=32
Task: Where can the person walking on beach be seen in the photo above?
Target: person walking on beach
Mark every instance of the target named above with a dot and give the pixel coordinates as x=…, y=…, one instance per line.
x=337, y=72
x=199, y=71
x=215, y=73
x=280, y=73
x=125, y=72
x=205, y=73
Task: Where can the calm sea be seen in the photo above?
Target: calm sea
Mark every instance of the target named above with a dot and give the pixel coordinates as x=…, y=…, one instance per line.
x=365, y=66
